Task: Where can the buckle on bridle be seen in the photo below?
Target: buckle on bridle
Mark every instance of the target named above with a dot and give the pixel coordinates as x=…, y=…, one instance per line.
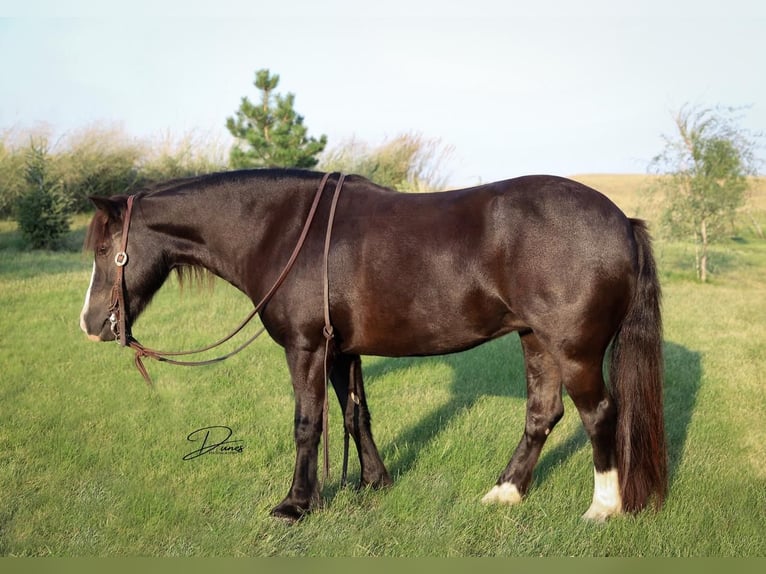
x=121, y=259
x=114, y=326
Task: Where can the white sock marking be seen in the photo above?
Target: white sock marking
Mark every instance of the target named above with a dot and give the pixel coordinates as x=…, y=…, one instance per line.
x=606, y=496
x=505, y=493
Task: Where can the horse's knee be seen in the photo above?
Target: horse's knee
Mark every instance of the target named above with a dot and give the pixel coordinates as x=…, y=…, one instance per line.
x=307, y=430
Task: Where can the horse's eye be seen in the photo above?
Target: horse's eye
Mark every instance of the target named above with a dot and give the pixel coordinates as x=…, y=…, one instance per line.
x=102, y=250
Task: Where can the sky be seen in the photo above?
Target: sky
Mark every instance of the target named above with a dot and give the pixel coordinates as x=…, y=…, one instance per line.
x=513, y=87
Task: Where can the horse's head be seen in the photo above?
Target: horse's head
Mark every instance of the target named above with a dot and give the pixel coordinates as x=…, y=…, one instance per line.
x=142, y=269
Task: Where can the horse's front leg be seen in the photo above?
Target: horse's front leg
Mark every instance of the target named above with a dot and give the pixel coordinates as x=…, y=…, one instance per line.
x=307, y=371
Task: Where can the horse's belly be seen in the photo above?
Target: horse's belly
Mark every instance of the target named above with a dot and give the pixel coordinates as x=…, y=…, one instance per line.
x=422, y=326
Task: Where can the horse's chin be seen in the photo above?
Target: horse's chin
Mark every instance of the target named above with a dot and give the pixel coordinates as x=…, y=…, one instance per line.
x=95, y=338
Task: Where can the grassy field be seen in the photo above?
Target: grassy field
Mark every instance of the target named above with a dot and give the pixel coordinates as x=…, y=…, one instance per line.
x=91, y=460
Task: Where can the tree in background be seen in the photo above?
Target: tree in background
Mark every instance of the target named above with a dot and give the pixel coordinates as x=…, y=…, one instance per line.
x=11, y=175
x=705, y=164
x=408, y=162
x=102, y=160
x=271, y=133
x=42, y=210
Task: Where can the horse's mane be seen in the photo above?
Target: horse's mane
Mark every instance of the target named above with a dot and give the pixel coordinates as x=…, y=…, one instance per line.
x=169, y=185
x=195, y=275
x=98, y=229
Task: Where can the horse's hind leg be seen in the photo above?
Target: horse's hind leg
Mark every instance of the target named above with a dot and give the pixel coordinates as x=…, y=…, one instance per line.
x=346, y=377
x=544, y=410
x=584, y=383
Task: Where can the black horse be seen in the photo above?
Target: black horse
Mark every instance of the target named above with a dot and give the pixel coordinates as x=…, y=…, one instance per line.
x=417, y=274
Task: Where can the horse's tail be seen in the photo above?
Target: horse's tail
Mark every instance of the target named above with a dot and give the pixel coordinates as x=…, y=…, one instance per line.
x=636, y=375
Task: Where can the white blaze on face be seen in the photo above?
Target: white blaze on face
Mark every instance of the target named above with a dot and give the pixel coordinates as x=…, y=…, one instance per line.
x=606, y=496
x=85, y=307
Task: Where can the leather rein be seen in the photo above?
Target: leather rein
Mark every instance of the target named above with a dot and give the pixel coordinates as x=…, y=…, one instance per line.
x=118, y=321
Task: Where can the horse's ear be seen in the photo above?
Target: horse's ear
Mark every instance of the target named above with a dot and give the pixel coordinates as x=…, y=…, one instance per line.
x=112, y=206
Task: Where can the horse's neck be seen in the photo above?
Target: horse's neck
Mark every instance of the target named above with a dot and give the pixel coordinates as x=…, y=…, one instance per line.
x=223, y=232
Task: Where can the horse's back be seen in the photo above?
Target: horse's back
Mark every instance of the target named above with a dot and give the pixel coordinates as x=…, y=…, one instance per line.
x=441, y=272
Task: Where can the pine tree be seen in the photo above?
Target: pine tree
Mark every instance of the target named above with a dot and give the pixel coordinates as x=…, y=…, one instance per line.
x=42, y=212
x=271, y=133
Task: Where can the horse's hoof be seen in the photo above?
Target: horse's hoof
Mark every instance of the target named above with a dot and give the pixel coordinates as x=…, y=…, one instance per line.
x=599, y=513
x=505, y=493
x=378, y=483
x=289, y=513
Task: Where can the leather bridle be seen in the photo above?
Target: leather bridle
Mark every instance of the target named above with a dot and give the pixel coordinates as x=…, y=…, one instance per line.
x=117, y=307
x=117, y=304
x=118, y=314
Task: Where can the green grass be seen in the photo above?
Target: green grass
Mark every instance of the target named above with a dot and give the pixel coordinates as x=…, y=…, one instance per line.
x=91, y=459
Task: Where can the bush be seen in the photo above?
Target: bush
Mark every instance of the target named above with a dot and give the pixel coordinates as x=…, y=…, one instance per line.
x=12, y=184
x=188, y=156
x=43, y=209
x=409, y=162
x=98, y=160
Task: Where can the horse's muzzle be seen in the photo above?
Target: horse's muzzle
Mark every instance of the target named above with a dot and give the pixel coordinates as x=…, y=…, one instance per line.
x=104, y=334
